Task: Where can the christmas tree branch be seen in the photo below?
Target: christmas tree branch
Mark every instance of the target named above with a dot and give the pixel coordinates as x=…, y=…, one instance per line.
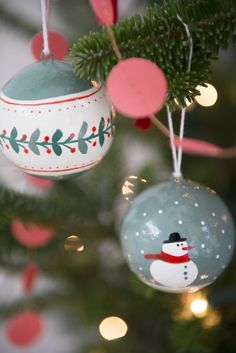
x=161, y=37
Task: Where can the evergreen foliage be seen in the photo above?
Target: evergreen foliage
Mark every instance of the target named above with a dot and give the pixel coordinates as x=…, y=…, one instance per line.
x=161, y=37
x=96, y=283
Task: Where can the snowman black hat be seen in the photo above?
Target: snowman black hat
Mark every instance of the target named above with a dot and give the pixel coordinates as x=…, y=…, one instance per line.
x=174, y=238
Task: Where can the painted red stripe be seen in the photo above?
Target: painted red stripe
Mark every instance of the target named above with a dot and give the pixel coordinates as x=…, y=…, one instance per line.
x=57, y=170
x=55, y=102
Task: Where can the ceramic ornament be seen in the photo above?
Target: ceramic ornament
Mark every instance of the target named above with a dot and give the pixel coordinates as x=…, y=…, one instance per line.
x=54, y=124
x=178, y=236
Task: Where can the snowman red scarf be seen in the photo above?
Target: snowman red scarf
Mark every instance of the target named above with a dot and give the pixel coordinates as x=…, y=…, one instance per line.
x=168, y=258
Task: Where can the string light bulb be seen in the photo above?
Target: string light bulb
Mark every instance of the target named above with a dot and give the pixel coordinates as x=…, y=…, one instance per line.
x=73, y=243
x=130, y=186
x=112, y=328
x=199, y=307
x=208, y=95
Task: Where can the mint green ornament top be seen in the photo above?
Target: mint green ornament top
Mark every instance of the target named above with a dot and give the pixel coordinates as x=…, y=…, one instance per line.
x=45, y=79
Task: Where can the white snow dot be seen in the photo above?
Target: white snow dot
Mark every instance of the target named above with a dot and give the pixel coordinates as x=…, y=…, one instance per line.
x=213, y=214
x=217, y=256
x=142, y=251
x=125, y=237
x=176, y=202
x=214, y=278
x=203, y=223
x=222, y=231
x=223, y=266
x=203, y=246
x=137, y=233
x=229, y=246
x=129, y=256
x=196, y=204
x=144, y=214
x=180, y=221
x=140, y=268
x=160, y=211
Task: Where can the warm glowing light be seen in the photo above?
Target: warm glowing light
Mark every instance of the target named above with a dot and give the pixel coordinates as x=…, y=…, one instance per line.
x=208, y=95
x=199, y=307
x=95, y=84
x=212, y=319
x=129, y=186
x=73, y=243
x=112, y=328
x=188, y=104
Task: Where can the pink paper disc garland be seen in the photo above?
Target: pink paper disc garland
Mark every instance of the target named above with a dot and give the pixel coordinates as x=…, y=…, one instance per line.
x=137, y=87
x=24, y=329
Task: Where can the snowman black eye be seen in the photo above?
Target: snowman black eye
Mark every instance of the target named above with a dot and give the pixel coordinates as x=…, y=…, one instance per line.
x=182, y=244
x=177, y=244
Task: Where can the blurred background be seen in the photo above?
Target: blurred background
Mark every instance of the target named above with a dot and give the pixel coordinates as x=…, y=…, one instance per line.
x=85, y=279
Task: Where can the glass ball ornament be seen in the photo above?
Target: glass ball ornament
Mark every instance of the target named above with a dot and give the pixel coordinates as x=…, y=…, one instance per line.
x=178, y=236
x=54, y=124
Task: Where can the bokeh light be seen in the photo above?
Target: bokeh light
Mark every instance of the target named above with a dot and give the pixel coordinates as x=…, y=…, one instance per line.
x=73, y=243
x=112, y=328
x=131, y=186
x=199, y=307
x=208, y=95
x=189, y=105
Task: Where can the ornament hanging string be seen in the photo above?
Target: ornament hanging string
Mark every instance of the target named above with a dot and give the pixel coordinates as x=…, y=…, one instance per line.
x=183, y=110
x=46, y=50
x=226, y=153
x=178, y=152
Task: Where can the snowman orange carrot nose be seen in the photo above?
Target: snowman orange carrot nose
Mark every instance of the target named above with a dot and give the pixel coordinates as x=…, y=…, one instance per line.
x=187, y=247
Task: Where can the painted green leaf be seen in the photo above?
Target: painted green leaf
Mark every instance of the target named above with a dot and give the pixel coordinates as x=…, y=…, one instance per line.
x=101, y=132
x=13, y=133
x=14, y=145
x=57, y=136
x=12, y=140
x=35, y=136
x=32, y=142
x=83, y=129
x=33, y=147
x=82, y=145
x=57, y=149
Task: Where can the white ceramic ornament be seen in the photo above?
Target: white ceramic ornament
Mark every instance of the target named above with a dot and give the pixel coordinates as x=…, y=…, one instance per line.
x=178, y=236
x=52, y=123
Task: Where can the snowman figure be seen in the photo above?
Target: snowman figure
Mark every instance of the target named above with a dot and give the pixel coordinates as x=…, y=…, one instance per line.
x=173, y=267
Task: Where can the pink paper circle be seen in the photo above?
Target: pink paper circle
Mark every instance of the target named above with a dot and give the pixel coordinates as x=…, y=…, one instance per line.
x=57, y=44
x=31, y=235
x=43, y=184
x=103, y=9
x=137, y=87
x=24, y=329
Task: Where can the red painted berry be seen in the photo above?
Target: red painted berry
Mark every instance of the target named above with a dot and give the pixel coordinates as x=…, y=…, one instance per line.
x=72, y=150
x=94, y=128
x=4, y=132
x=108, y=134
x=108, y=120
x=72, y=135
x=49, y=151
x=46, y=138
x=7, y=146
x=94, y=143
x=25, y=150
x=24, y=137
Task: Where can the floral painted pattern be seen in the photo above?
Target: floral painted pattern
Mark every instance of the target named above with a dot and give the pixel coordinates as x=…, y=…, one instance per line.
x=36, y=143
